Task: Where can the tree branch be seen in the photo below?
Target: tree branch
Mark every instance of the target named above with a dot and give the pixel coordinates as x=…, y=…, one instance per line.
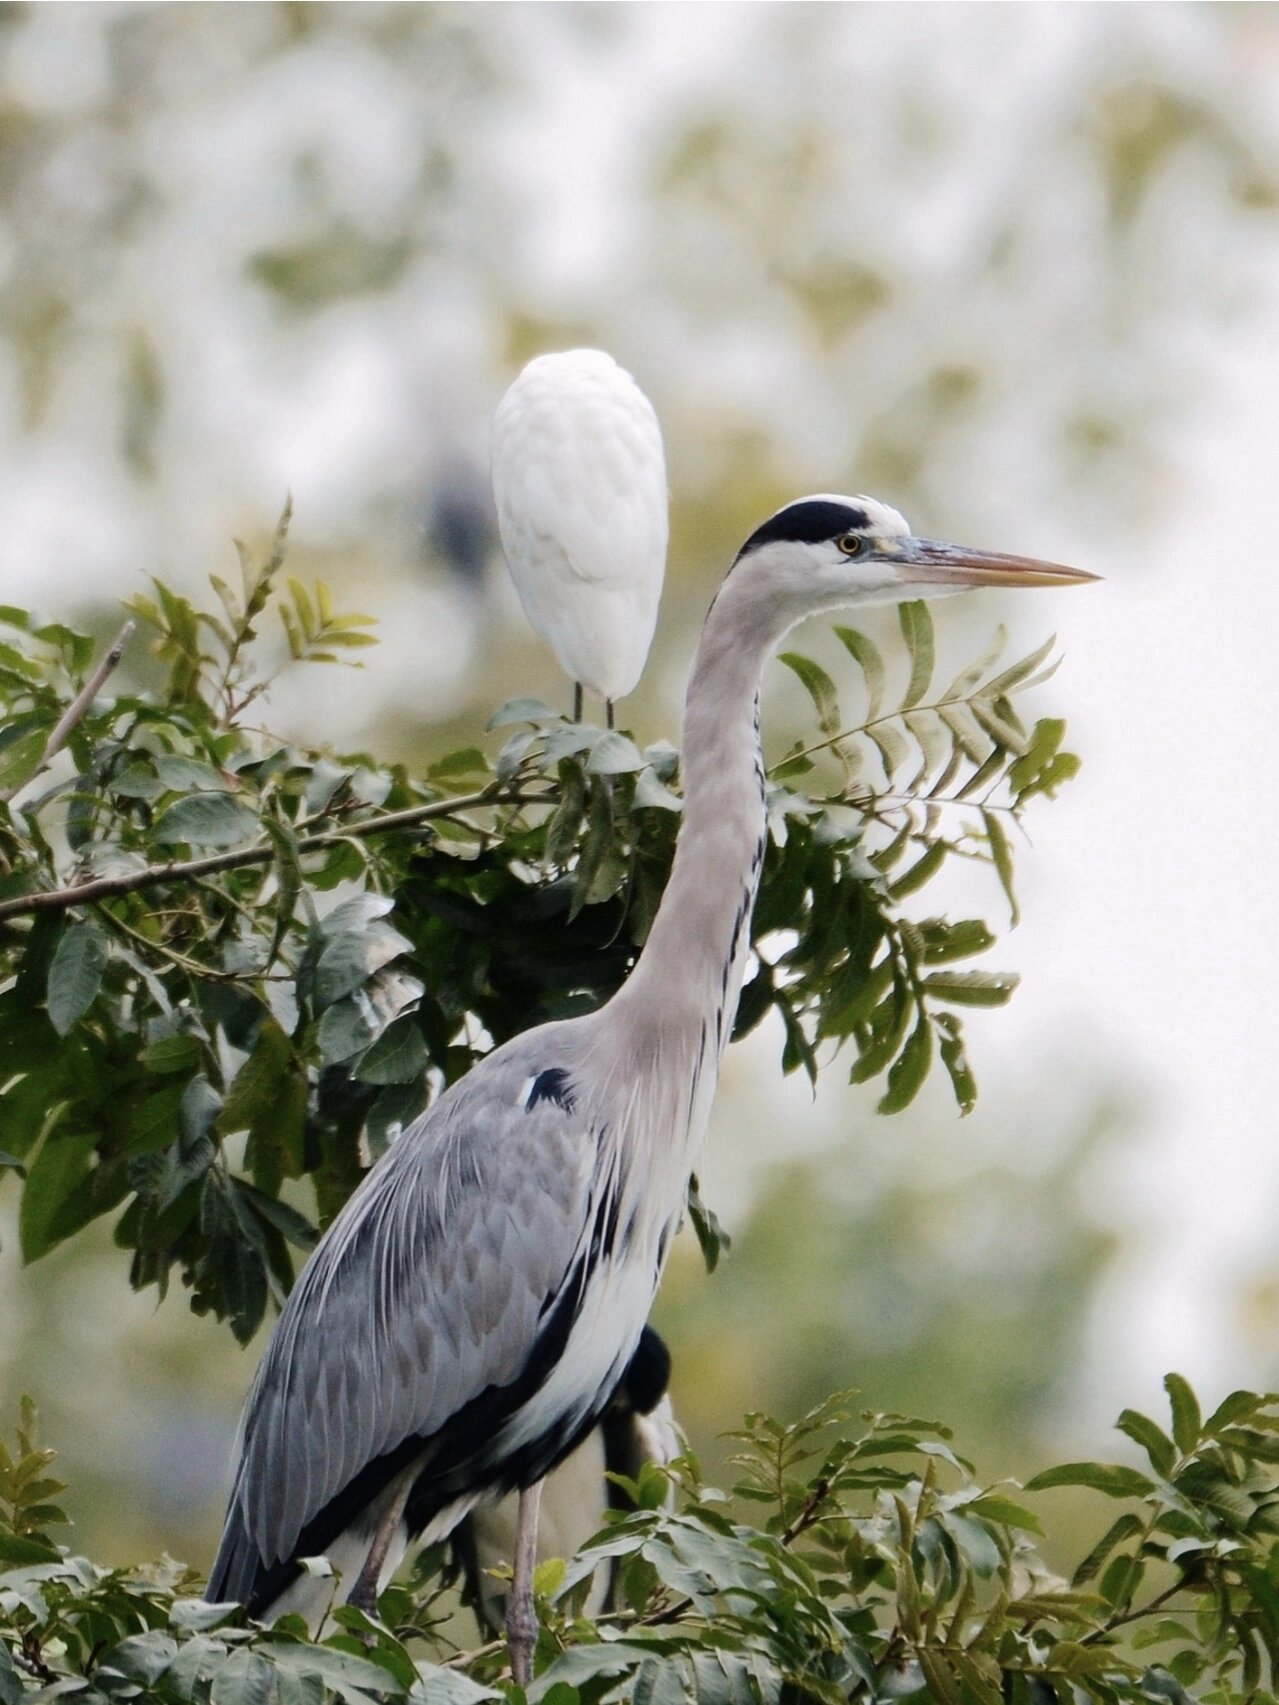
x=185, y=870
x=74, y=714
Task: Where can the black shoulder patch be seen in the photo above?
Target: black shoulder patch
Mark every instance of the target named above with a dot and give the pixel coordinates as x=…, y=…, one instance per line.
x=551, y=1085
x=808, y=523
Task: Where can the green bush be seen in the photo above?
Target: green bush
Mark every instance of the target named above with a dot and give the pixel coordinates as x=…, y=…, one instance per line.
x=874, y=1567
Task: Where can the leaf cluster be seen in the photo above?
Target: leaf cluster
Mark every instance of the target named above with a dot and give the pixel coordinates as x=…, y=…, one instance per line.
x=932, y=772
x=196, y=1039
x=858, y=1560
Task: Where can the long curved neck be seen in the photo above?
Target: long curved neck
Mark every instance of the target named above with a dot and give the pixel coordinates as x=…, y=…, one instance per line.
x=689, y=975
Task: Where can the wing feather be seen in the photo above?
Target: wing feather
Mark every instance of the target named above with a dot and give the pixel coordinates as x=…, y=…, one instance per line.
x=426, y=1291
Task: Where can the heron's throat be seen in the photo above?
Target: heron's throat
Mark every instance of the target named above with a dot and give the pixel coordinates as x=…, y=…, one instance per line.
x=690, y=973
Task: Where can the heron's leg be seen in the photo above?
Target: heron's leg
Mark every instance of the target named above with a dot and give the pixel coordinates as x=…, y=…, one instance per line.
x=363, y=1594
x=608, y=713
x=521, y=1619
x=577, y=701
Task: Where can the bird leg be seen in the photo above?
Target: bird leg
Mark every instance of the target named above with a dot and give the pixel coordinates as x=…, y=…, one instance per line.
x=608, y=713
x=521, y=1618
x=363, y=1594
x=577, y=701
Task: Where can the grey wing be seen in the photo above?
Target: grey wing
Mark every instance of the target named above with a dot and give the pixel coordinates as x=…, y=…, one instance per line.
x=425, y=1292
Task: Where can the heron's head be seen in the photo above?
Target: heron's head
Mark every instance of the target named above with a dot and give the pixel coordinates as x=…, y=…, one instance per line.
x=826, y=551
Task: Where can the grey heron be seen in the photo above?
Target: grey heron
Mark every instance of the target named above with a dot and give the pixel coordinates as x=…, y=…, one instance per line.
x=579, y=479
x=467, y=1317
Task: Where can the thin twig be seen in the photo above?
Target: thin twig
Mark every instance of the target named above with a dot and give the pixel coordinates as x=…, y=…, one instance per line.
x=185, y=870
x=75, y=712
x=1157, y=1603
x=462, y=1658
x=808, y=1514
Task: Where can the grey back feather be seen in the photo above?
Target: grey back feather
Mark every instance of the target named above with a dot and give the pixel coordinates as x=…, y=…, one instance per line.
x=427, y=1290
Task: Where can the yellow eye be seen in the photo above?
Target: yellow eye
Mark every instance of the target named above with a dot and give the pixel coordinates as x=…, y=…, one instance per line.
x=852, y=544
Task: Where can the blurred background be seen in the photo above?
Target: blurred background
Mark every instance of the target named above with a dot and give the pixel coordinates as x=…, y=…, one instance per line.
x=1012, y=269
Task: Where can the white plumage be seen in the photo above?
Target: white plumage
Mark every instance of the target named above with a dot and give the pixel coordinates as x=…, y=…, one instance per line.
x=579, y=477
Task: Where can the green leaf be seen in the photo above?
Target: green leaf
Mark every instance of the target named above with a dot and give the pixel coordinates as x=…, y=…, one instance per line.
x=190, y=1158
x=796, y=763
x=996, y=1507
x=975, y=1542
x=243, y=1678
x=398, y=1056
x=651, y=792
x=206, y=820
x=137, y=781
x=468, y=762
x=345, y=1029
x=354, y=1680
x=514, y=751
x=438, y=1686
x=19, y=757
x=172, y=1054
x=712, y=1239
x=820, y=688
x=1120, y=1580
x=255, y=1087
x=892, y=746
x=955, y=1060
x=944, y=941
x=942, y=1684
x=522, y=710
x=303, y=608
x=350, y=958
x=908, y=1071
x=596, y=847
x=866, y=655
x=930, y=732
x=1001, y=728
x=923, y=869
x=355, y=914
x=47, y=1211
x=971, y=988
x=20, y=1551
x=1126, y=1526
x=1002, y=859
x=917, y=631
x=286, y=1220
x=614, y=755
x=968, y=734
x=1152, y=1439
x=189, y=775
x=566, y=820
x=1001, y=685
x=325, y=779
x=1115, y=1480
x=1187, y=1424
x=1239, y=1406
x=75, y=975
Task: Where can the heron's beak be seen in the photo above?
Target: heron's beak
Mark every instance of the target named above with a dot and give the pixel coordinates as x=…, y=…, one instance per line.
x=929, y=562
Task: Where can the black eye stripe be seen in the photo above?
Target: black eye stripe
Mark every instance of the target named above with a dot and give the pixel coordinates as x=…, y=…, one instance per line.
x=808, y=524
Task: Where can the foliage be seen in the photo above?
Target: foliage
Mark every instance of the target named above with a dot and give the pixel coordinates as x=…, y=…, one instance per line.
x=189, y=1024
x=875, y=1567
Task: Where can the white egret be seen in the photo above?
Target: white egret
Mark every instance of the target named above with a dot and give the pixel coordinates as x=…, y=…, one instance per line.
x=579, y=479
